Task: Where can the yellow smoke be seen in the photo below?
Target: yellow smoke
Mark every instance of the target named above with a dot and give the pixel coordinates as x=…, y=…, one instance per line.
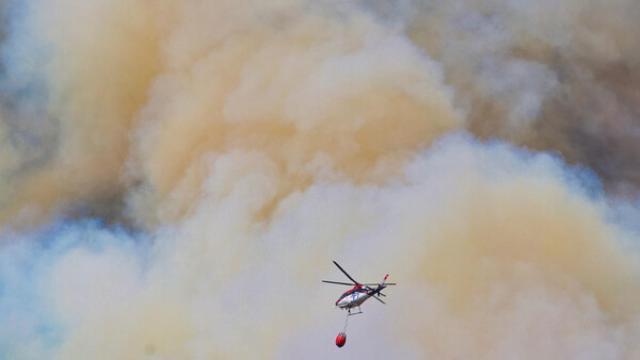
x=255, y=141
x=103, y=56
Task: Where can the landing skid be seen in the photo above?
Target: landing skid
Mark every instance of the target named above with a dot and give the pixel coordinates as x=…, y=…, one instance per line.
x=351, y=314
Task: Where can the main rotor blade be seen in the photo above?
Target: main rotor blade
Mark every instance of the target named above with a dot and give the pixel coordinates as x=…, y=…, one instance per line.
x=377, y=298
x=376, y=284
x=337, y=282
x=344, y=272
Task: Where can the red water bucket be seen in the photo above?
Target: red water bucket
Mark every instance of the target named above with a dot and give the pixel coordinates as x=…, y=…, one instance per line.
x=341, y=339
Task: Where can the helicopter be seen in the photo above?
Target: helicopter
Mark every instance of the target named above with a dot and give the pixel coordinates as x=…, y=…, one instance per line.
x=359, y=293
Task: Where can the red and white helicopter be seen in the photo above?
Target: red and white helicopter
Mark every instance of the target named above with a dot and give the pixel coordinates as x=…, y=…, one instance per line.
x=359, y=293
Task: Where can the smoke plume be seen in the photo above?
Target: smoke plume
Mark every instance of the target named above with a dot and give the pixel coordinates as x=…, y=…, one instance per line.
x=176, y=176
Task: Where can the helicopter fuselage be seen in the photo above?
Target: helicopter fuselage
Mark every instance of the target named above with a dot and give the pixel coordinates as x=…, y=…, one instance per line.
x=355, y=297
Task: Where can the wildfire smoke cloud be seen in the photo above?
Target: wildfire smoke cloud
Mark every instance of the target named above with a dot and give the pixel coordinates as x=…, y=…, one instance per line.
x=175, y=177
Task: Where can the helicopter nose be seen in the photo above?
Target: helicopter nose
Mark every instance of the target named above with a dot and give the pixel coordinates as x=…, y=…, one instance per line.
x=342, y=303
